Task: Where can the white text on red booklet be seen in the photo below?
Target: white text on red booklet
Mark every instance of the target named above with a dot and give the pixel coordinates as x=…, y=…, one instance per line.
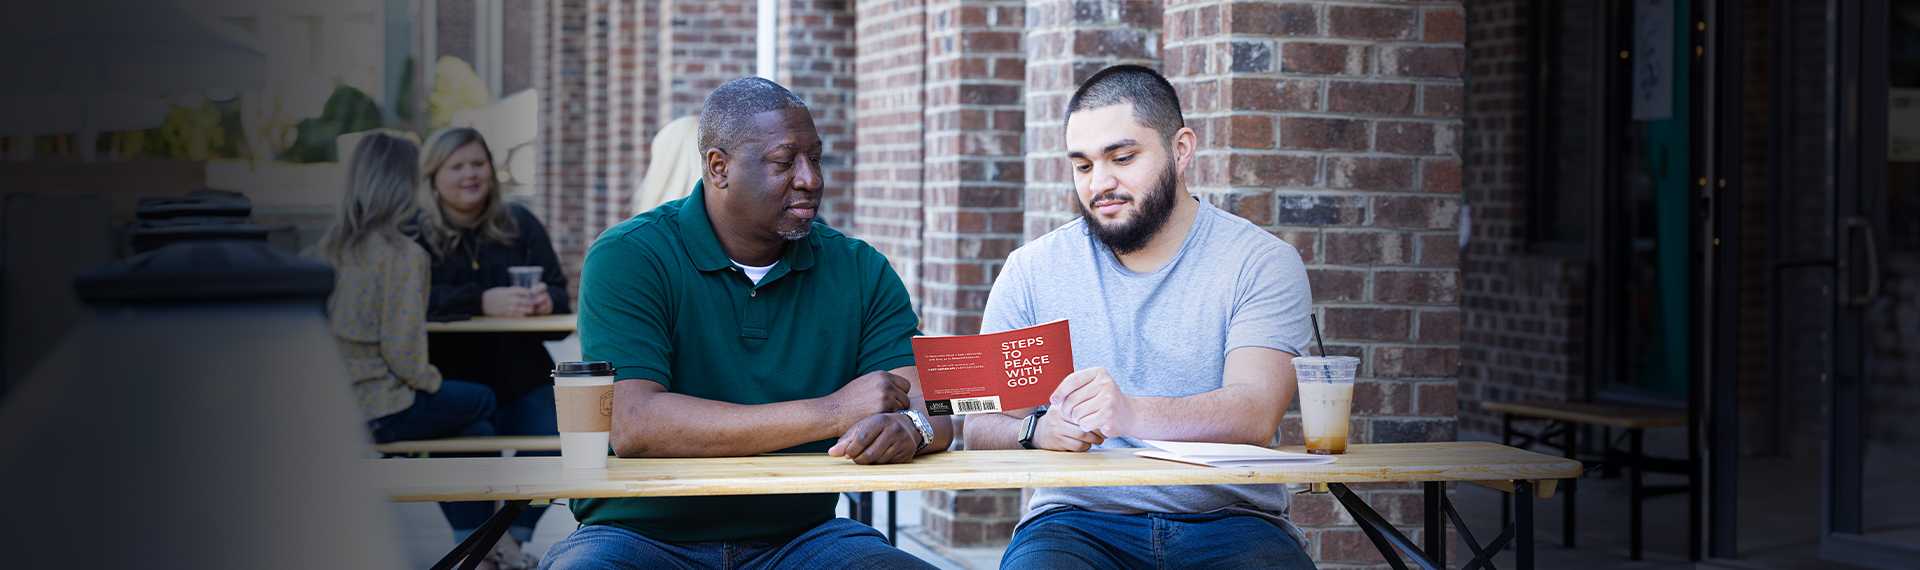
x=1007, y=370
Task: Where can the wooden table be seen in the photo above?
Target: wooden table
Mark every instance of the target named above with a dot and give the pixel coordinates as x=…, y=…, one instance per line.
x=1563, y=419
x=540, y=324
x=481, y=444
x=520, y=480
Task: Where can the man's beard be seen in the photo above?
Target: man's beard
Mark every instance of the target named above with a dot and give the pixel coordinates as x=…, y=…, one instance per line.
x=1132, y=235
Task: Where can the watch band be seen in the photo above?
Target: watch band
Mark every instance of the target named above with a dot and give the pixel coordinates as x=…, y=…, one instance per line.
x=920, y=423
x=1027, y=430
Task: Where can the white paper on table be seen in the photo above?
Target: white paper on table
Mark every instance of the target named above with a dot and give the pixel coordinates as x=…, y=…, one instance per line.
x=1227, y=454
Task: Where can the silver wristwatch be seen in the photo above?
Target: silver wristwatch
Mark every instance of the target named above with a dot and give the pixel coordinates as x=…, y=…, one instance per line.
x=925, y=427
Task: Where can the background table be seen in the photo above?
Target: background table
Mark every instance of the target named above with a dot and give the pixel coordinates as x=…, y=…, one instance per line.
x=518, y=480
x=540, y=324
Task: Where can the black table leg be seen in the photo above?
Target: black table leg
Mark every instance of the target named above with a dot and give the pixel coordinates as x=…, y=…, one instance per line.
x=1436, y=523
x=1506, y=438
x=1635, y=494
x=475, y=548
x=1385, y=537
x=893, y=520
x=1523, y=517
x=1573, y=487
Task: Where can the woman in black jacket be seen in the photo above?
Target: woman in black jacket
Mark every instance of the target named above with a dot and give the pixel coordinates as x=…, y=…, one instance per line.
x=474, y=236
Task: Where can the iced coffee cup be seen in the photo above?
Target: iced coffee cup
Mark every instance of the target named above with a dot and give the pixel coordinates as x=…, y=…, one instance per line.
x=1326, y=398
x=583, y=402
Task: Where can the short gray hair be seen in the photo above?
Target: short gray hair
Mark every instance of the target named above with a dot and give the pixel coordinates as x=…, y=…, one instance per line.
x=725, y=116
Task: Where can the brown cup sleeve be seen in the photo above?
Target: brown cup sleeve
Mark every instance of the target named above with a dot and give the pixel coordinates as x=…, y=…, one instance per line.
x=584, y=408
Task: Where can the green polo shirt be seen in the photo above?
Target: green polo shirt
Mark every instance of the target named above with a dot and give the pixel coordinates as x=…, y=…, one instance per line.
x=661, y=300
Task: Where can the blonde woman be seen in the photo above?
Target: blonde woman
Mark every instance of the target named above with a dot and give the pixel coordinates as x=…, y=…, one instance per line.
x=378, y=312
x=474, y=235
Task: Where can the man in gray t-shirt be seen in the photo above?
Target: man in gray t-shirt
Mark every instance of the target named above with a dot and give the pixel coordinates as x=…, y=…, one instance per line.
x=1184, y=319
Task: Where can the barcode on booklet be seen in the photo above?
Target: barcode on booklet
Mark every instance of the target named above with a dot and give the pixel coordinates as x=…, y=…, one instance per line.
x=963, y=406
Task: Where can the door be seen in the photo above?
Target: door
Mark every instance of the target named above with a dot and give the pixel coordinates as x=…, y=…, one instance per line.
x=1872, y=517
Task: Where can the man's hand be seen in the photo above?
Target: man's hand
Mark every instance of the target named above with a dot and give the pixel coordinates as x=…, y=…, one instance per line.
x=505, y=302
x=876, y=392
x=1092, y=400
x=1053, y=431
x=887, y=437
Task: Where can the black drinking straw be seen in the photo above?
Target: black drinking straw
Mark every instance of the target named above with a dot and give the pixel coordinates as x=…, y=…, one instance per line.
x=1316, y=333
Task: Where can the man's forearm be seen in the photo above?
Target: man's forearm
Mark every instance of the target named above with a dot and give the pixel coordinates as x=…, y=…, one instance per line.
x=994, y=431
x=665, y=424
x=1230, y=414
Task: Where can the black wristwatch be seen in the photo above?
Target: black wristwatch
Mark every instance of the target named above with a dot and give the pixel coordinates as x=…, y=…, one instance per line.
x=1026, y=431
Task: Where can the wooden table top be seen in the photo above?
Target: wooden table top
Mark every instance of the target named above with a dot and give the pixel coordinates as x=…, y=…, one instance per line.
x=511, y=478
x=489, y=444
x=543, y=323
x=1620, y=416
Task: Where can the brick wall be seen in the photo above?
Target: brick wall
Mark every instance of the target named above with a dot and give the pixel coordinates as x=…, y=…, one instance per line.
x=1067, y=42
x=890, y=75
x=560, y=75
x=1523, y=331
x=713, y=43
x=1336, y=126
x=816, y=61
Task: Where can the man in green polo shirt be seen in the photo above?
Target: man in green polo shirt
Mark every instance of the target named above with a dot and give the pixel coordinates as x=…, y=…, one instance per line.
x=740, y=325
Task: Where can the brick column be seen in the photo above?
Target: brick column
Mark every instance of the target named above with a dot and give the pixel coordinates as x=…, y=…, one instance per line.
x=1335, y=126
x=560, y=75
x=1067, y=42
x=816, y=61
x=890, y=72
x=972, y=185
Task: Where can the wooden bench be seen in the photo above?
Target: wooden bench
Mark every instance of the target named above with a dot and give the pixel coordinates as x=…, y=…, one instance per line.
x=859, y=505
x=1563, y=421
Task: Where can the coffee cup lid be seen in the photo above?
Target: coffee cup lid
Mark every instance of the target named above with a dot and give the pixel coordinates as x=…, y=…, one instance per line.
x=583, y=368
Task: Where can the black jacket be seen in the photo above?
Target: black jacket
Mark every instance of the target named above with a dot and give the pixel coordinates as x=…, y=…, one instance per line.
x=512, y=363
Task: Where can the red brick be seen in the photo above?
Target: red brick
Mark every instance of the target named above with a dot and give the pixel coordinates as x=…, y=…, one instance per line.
x=1423, y=61
x=1440, y=176
x=1290, y=20
x=1370, y=98
x=1254, y=94
x=1440, y=250
x=1437, y=399
x=1368, y=248
x=1404, y=138
x=1418, y=287
x=1336, y=285
x=1381, y=398
x=1427, y=362
x=1439, y=327
x=1314, y=133
x=1370, y=174
x=1343, y=323
x=1324, y=59
x=1272, y=171
x=1370, y=23
x=1347, y=546
x=1444, y=26
x=1441, y=101
x=1415, y=212
x=1251, y=131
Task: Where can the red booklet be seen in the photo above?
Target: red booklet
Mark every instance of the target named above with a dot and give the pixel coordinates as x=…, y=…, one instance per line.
x=1006, y=370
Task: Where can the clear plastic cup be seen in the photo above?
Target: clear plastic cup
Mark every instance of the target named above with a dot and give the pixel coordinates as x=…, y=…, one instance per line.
x=1326, y=401
x=524, y=276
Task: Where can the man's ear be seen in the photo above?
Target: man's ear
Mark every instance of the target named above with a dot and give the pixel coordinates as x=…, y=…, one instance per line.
x=1185, y=142
x=714, y=165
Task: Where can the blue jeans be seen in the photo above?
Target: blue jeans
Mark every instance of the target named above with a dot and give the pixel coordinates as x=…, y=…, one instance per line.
x=1074, y=538
x=837, y=543
x=466, y=409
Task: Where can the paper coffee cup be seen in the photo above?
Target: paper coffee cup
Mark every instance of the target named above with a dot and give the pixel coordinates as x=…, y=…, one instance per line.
x=1326, y=401
x=583, y=401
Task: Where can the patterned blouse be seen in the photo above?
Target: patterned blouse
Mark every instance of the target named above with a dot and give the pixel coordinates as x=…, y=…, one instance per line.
x=378, y=314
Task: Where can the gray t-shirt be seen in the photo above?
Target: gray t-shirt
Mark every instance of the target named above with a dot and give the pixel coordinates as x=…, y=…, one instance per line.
x=1165, y=333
